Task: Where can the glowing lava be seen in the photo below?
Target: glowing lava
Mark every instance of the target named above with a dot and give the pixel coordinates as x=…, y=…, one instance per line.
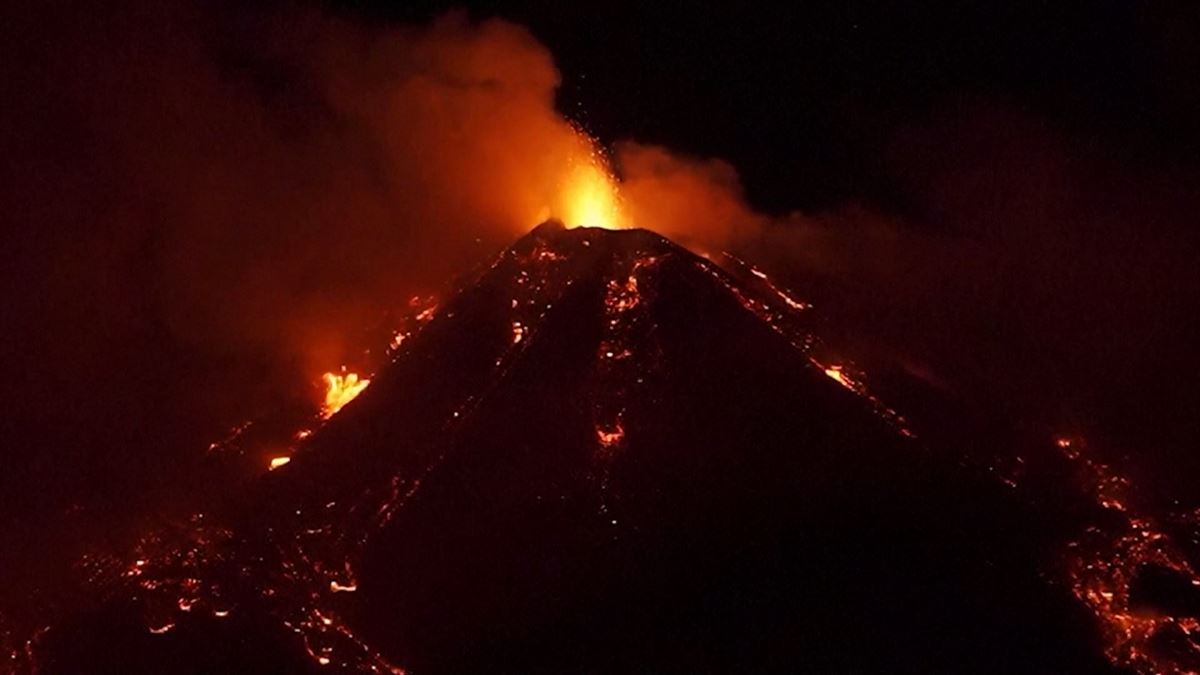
x=277, y=462
x=837, y=374
x=340, y=390
x=590, y=197
x=612, y=436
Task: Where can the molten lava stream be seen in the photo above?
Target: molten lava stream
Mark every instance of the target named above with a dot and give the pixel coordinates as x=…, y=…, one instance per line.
x=340, y=390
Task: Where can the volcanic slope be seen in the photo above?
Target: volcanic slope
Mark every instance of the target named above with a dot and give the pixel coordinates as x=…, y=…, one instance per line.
x=603, y=454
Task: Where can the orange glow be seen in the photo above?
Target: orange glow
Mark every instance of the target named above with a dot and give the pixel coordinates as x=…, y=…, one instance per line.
x=277, y=462
x=835, y=373
x=590, y=197
x=340, y=390
x=427, y=314
x=610, y=437
x=1068, y=447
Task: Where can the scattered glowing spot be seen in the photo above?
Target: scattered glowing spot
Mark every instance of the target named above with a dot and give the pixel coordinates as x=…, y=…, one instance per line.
x=1069, y=447
x=791, y=302
x=340, y=390
x=221, y=613
x=339, y=588
x=277, y=462
x=162, y=629
x=232, y=436
x=303, y=434
x=323, y=660
x=518, y=332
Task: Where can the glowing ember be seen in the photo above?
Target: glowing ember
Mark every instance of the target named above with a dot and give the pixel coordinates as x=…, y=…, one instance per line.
x=611, y=436
x=230, y=438
x=518, y=332
x=340, y=390
x=340, y=588
x=1067, y=446
x=277, y=462
x=835, y=373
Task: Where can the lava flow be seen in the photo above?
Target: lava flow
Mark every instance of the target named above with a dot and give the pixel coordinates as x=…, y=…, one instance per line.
x=595, y=419
x=340, y=390
x=592, y=198
x=1107, y=567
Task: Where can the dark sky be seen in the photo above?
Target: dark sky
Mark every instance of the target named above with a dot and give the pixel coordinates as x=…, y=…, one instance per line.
x=804, y=98
x=1000, y=196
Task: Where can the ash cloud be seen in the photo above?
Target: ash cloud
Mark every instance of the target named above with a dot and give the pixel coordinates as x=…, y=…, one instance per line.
x=693, y=200
x=208, y=204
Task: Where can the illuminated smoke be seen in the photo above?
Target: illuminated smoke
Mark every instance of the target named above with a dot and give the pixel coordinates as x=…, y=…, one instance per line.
x=272, y=186
x=693, y=201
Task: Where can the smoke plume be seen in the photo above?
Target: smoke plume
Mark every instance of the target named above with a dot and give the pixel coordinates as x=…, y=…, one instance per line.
x=206, y=204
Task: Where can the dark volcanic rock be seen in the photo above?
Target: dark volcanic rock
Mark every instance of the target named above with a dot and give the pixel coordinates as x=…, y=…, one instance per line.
x=605, y=454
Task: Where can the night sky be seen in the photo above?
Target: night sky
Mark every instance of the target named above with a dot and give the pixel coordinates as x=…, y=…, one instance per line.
x=999, y=197
x=807, y=100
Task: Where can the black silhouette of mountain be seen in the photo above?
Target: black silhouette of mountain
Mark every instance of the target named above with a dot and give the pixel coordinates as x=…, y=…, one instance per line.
x=604, y=454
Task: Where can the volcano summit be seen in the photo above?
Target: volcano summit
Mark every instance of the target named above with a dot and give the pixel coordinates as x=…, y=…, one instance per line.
x=602, y=454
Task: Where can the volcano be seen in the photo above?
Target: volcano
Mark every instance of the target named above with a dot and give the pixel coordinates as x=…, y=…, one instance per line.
x=603, y=453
